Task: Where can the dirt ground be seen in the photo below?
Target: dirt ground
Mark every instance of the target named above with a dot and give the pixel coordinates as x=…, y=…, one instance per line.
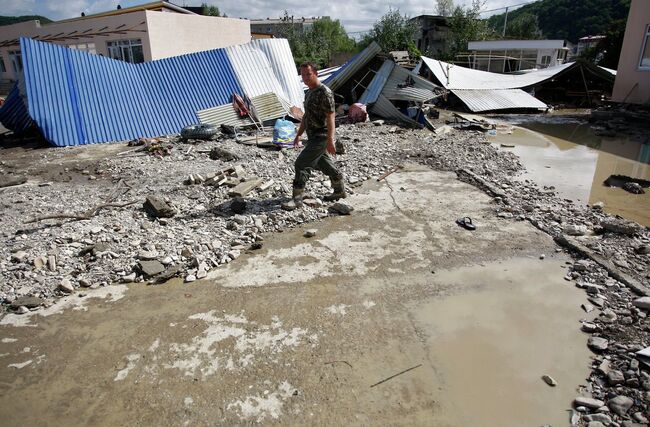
x=320, y=330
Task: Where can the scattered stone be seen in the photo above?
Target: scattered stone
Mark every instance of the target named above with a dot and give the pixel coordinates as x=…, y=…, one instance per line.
x=310, y=233
x=619, y=226
x=595, y=424
x=129, y=278
x=633, y=187
x=151, y=268
x=549, y=380
x=597, y=344
x=29, y=302
x=147, y=255
x=40, y=262
x=218, y=153
x=643, y=303
x=158, y=208
x=19, y=256
x=66, y=286
x=642, y=249
x=588, y=308
x=620, y=405
x=588, y=402
x=190, y=278
x=84, y=283
x=615, y=377
x=22, y=310
x=605, y=367
x=589, y=327
x=542, y=256
x=575, y=230
x=341, y=208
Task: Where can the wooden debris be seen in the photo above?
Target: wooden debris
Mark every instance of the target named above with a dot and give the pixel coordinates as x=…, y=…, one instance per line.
x=245, y=187
x=397, y=374
x=80, y=216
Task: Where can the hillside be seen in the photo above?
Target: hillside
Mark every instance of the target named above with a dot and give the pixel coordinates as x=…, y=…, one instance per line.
x=569, y=19
x=8, y=20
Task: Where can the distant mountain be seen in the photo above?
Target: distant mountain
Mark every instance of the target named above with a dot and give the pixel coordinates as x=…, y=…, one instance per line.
x=8, y=20
x=569, y=19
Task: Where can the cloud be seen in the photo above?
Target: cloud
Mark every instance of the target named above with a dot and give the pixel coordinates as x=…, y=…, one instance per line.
x=355, y=16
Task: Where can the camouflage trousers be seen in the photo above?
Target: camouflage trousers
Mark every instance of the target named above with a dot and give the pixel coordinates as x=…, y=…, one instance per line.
x=315, y=156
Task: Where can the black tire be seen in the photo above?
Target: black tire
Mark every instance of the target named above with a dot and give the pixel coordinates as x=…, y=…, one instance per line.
x=199, y=131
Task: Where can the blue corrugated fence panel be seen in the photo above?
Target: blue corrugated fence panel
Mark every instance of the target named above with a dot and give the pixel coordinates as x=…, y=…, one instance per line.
x=78, y=98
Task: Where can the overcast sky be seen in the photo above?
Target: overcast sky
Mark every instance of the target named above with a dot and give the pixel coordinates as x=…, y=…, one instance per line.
x=355, y=15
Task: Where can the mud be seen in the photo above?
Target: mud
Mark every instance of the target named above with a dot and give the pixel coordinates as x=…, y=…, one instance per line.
x=299, y=331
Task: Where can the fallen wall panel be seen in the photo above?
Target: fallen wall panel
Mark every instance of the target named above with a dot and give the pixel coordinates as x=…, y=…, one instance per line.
x=498, y=99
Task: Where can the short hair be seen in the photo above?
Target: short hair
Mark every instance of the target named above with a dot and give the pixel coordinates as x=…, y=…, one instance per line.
x=309, y=64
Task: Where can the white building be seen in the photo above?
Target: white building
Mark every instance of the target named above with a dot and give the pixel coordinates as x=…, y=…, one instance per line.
x=136, y=34
x=506, y=56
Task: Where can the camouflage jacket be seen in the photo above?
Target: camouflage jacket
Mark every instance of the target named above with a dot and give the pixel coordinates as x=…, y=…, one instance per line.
x=318, y=102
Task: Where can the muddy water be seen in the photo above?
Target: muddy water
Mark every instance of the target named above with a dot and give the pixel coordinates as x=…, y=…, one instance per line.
x=565, y=153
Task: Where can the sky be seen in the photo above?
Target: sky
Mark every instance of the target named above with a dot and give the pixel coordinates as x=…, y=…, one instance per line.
x=355, y=16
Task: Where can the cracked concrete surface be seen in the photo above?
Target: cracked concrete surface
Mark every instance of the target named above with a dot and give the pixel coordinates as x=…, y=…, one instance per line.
x=297, y=332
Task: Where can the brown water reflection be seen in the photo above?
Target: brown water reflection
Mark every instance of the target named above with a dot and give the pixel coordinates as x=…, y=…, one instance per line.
x=567, y=154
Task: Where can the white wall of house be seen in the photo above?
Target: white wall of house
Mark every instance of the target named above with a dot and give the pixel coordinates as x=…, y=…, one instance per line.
x=173, y=34
x=530, y=53
x=633, y=74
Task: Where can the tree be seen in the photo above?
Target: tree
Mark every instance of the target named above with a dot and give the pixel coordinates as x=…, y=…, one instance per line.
x=524, y=27
x=317, y=44
x=445, y=7
x=211, y=10
x=465, y=26
x=394, y=31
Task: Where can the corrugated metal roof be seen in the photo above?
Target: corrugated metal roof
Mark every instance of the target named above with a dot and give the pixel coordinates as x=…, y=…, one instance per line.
x=384, y=108
x=456, y=77
x=351, y=67
x=14, y=113
x=266, y=106
x=375, y=87
x=609, y=70
x=78, y=98
x=402, y=85
x=497, y=99
x=323, y=75
x=280, y=57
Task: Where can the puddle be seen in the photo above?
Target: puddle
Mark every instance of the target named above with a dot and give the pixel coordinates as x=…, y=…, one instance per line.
x=565, y=152
x=495, y=338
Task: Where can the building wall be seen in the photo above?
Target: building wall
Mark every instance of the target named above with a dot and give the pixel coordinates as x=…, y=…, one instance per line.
x=632, y=82
x=172, y=34
x=99, y=31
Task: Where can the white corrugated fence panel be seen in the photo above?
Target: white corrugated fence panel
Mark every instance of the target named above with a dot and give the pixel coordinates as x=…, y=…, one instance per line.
x=497, y=99
x=384, y=108
x=418, y=89
x=280, y=57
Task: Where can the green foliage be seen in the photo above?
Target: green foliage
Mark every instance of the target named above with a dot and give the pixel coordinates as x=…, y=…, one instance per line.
x=8, y=20
x=568, y=19
x=393, y=31
x=211, y=10
x=607, y=52
x=465, y=26
x=524, y=27
x=317, y=44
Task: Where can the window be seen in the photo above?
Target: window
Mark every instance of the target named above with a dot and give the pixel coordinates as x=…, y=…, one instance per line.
x=87, y=47
x=16, y=60
x=546, y=61
x=126, y=50
x=644, y=62
x=3, y=69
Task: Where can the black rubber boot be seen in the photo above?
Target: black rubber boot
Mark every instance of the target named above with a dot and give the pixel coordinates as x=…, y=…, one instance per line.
x=296, y=201
x=338, y=188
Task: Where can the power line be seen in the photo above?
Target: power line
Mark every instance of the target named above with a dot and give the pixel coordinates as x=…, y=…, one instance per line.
x=508, y=7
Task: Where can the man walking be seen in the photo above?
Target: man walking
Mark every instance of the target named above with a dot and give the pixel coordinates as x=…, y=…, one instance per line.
x=318, y=121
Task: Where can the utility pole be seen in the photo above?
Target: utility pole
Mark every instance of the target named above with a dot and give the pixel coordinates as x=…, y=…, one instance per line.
x=505, y=22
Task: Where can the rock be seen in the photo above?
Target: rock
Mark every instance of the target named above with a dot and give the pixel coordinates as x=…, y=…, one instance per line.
x=66, y=286
x=542, y=256
x=549, y=380
x=588, y=402
x=171, y=271
x=51, y=263
x=598, y=206
x=313, y=203
x=587, y=307
x=129, y=278
x=22, y=310
x=151, y=268
x=595, y=424
x=581, y=266
x=167, y=260
x=19, y=256
x=218, y=153
x=605, y=367
x=96, y=230
x=597, y=344
x=633, y=187
x=40, y=262
x=589, y=327
x=640, y=418
x=505, y=215
x=158, y=208
x=642, y=249
x=643, y=303
x=575, y=230
x=147, y=255
x=615, y=377
x=620, y=405
x=619, y=226
x=85, y=283
x=341, y=208
x=608, y=316
x=29, y=302
x=598, y=302
x=190, y=278
x=310, y=233
x=238, y=205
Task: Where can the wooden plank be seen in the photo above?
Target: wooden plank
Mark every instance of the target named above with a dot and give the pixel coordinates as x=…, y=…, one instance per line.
x=245, y=187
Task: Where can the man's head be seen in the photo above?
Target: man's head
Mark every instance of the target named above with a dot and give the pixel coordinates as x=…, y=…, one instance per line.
x=309, y=74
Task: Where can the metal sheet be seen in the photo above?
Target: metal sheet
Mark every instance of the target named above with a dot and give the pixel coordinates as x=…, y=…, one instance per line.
x=498, y=99
x=351, y=67
x=418, y=89
x=323, y=75
x=384, y=108
x=267, y=107
x=14, y=113
x=375, y=87
x=456, y=77
x=79, y=98
x=279, y=55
